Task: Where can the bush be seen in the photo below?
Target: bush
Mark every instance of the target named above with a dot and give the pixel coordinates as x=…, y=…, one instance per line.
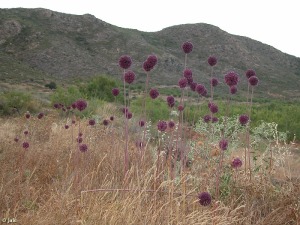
x=17, y=102
x=66, y=96
x=51, y=85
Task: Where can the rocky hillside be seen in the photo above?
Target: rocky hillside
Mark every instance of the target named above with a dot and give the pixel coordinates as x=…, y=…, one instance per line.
x=39, y=45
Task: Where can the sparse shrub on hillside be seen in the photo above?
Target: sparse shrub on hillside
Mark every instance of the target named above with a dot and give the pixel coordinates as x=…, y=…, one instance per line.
x=51, y=85
x=66, y=96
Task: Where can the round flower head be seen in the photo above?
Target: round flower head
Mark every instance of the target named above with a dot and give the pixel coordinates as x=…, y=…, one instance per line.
x=162, y=125
x=27, y=115
x=153, y=93
x=214, y=120
x=231, y=78
x=83, y=147
x=214, y=82
x=40, y=115
x=147, y=66
x=182, y=83
x=236, y=163
x=223, y=144
x=124, y=110
x=200, y=88
x=253, y=81
x=92, y=122
x=250, y=73
x=212, y=60
x=188, y=74
x=207, y=118
x=25, y=145
x=180, y=108
x=233, y=89
x=79, y=139
x=26, y=132
x=214, y=108
x=193, y=86
x=171, y=124
x=16, y=139
x=171, y=101
x=56, y=106
x=152, y=60
x=204, y=93
x=129, y=115
x=73, y=121
x=187, y=47
x=80, y=134
x=115, y=91
x=141, y=123
x=204, y=198
x=66, y=126
x=243, y=119
x=81, y=104
x=125, y=61
x=111, y=118
x=129, y=77
x=105, y=122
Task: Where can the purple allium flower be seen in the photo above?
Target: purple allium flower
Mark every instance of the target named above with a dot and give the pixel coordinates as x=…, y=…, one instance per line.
x=26, y=132
x=214, y=119
x=56, y=106
x=141, y=123
x=193, y=86
x=233, y=89
x=231, y=78
x=105, y=122
x=79, y=139
x=152, y=60
x=16, y=139
x=182, y=83
x=243, y=119
x=115, y=91
x=153, y=93
x=124, y=110
x=40, y=115
x=25, y=145
x=213, y=108
x=187, y=47
x=83, y=147
x=212, y=60
x=111, y=118
x=236, y=163
x=200, y=88
x=180, y=108
x=223, y=144
x=214, y=82
x=147, y=66
x=250, y=73
x=171, y=124
x=207, y=118
x=73, y=121
x=188, y=74
x=162, y=125
x=171, y=101
x=92, y=122
x=129, y=77
x=125, y=61
x=253, y=81
x=204, y=198
x=73, y=105
x=128, y=115
x=81, y=104
x=27, y=115
x=66, y=126
x=204, y=93
x=80, y=134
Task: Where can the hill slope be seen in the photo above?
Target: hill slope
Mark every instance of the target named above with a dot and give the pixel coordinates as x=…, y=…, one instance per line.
x=39, y=45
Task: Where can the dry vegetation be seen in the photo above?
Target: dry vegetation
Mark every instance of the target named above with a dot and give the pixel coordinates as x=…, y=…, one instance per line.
x=49, y=182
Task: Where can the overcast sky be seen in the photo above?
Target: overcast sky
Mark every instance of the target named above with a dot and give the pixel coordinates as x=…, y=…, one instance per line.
x=274, y=22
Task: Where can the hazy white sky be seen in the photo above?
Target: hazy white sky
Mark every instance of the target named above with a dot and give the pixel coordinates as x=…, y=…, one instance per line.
x=274, y=22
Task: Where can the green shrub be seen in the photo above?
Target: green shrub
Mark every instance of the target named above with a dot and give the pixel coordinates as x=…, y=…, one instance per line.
x=51, y=85
x=66, y=96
